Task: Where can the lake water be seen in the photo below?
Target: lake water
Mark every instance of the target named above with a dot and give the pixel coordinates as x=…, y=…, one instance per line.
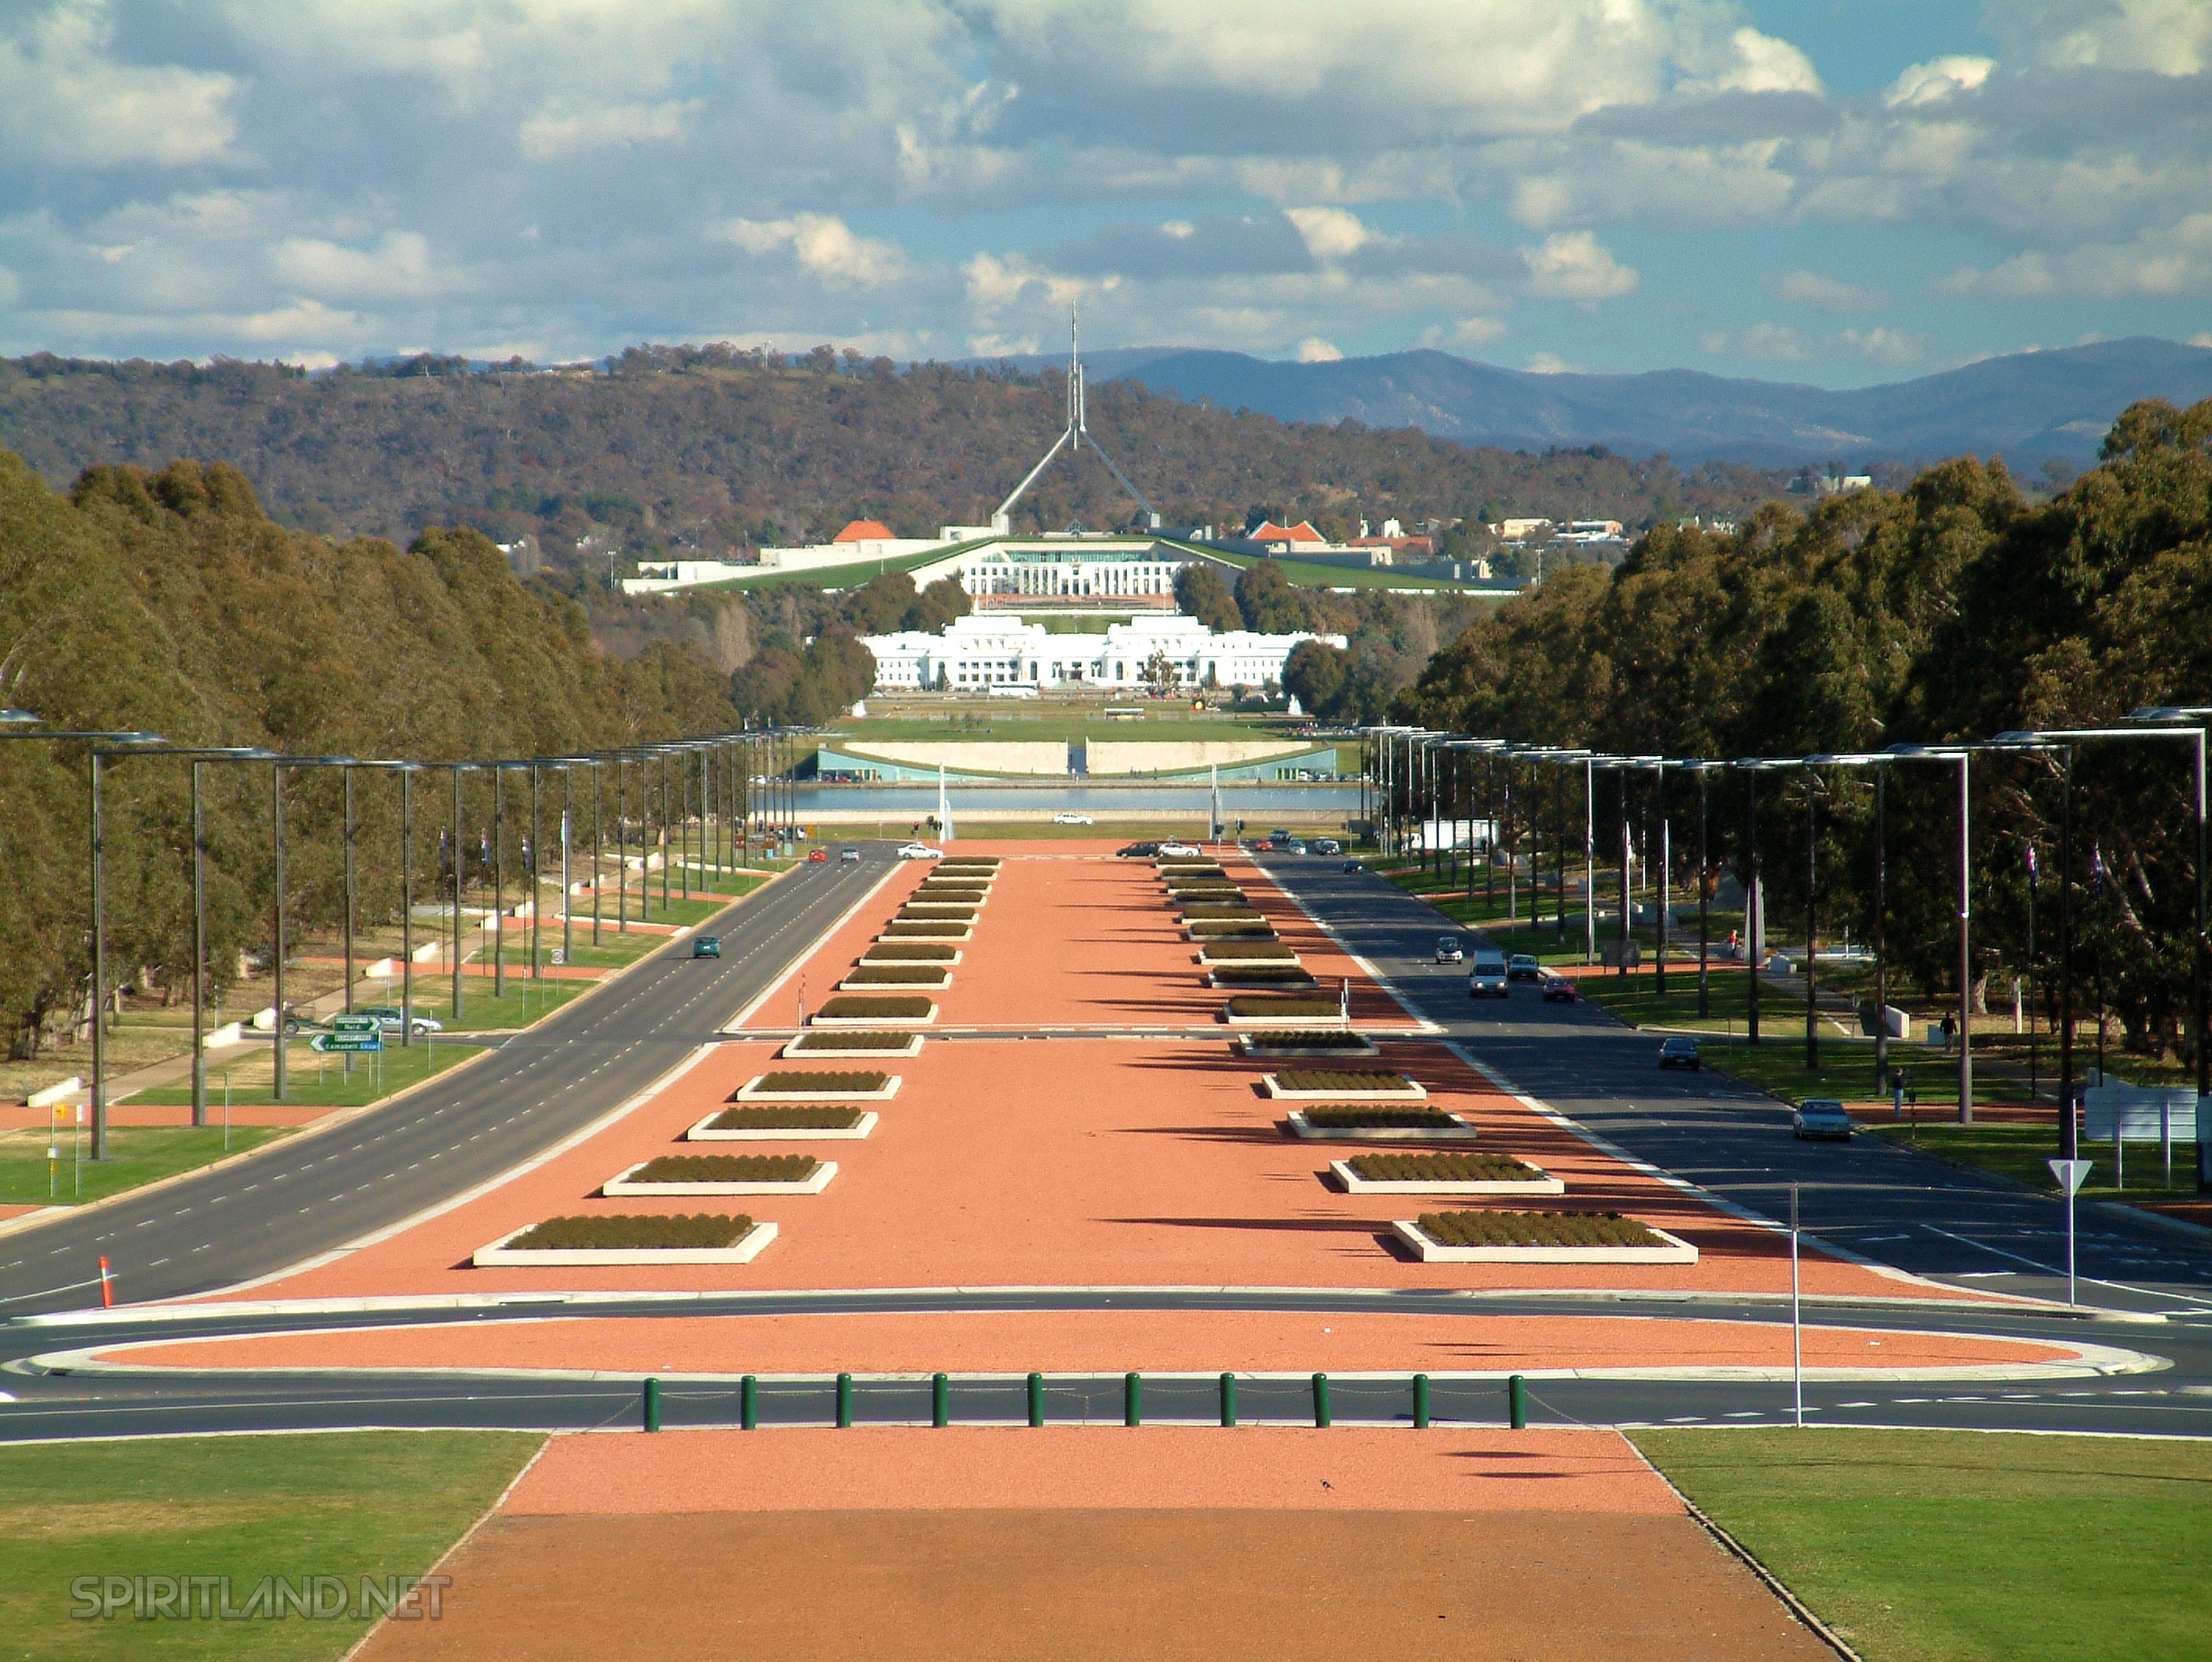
x=1117, y=801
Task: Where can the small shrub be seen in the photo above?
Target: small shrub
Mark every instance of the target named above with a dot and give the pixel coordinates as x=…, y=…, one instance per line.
x=904, y=953
x=728, y=1169
x=859, y=1039
x=1536, y=1229
x=808, y=1082
x=861, y=1007
x=1441, y=1168
x=1352, y=1117
x=896, y=976
x=630, y=1232
x=793, y=1119
x=1247, y=1006
x=1352, y=1081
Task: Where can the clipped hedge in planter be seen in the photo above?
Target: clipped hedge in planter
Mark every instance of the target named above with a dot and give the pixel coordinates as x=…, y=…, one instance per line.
x=794, y=1119
x=911, y=928
x=1307, y=1039
x=630, y=1231
x=726, y=1168
x=936, y=911
x=898, y=952
x=1441, y=1168
x=1536, y=1229
x=1357, y=1117
x=1262, y=975
x=1248, y=952
x=859, y=1007
x=815, y=1082
x=1217, y=929
x=929, y=975
x=1261, y=1006
x=1352, y=1081
x=859, y=1039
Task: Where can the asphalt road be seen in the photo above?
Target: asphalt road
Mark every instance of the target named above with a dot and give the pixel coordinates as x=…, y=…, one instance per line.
x=312, y=1194
x=1868, y=1195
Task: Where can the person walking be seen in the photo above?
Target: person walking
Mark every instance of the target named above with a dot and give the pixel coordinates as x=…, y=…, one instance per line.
x=1950, y=1031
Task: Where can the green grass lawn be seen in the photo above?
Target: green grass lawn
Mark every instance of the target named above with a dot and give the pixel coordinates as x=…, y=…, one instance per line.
x=1957, y=1546
x=136, y=1155
x=2018, y=1152
x=313, y=1079
x=351, y=1504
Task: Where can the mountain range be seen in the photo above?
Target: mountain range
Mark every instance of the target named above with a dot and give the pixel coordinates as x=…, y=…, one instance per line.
x=2029, y=407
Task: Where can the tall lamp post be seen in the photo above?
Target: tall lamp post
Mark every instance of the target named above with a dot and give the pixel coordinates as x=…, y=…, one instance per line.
x=1704, y=770
x=1878, y=763
x=1753, y=911
x=1962, y=754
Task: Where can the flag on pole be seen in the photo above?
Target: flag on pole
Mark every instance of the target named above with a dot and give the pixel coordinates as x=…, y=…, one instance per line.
x=2033, y=878
x=943, y=808
x=1214, y=778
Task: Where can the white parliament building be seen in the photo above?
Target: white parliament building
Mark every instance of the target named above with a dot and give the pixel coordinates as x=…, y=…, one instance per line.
x=1001, y=649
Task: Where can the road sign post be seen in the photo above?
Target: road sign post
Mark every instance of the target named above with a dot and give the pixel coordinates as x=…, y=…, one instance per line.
x=2069, y=1173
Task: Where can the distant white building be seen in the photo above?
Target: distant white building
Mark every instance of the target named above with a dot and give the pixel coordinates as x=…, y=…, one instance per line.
x=999, y=649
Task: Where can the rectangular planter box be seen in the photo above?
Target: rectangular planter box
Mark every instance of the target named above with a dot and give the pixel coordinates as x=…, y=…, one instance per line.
x=874, y=1021
x=1246, y=1046
x=1413, y=1092
x=704, y=1131
x=870, y=959
x=1676, y=1251
x=1242, y=952
x=1273, y=984
x=792, y=1053
x=1352, y=1182
x=746, y=1094
x=937, y=985
x=1206, y=935
x=957, y=911
x=623, y=1188
x=499, y=1256
x=1459, y=1131
x=1287, y=1023
x=946, y=933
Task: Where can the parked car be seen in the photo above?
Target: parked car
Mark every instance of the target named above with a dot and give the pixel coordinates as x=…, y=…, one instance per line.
x=819, y=857
x=1450, y=950
x=1523, y=967
x=1485, y=977
x=919, y=850
x=1820, y=1117
x=706, y=946
x=1073, y=819
x=1558, y=990
x=1678, y=1052
x=1137, y=851
x=1181, y=850
x=851, y=854
x=388, y=1017
x=1327, y=847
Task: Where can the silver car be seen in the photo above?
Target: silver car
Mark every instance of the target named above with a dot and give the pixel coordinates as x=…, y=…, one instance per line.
x=1820, y=1117
x=1450, y=950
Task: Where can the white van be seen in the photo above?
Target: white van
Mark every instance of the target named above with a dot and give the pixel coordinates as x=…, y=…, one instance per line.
x=1486, y=974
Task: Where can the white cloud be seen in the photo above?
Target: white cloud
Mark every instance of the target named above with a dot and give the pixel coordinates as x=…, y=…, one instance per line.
x=823, y=244
x=1314, y=349
x=1571, y=265
x=399, y=267
x=1826, y=293
x=1464, y=332
x=1779, y=342
x=2204, y=338
x=1934, y=82
x=65, y=98
x=1771, y=342
x=11, y=288
x=549, y=134
x=1329, y=233
x=2166, y=37
x=1549, y=363
x=2165, y=262
x=1755, y=63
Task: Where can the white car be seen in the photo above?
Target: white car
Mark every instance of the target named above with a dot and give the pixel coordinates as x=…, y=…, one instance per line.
x=1073, y=819
x=1180, y=851
x=919, y=850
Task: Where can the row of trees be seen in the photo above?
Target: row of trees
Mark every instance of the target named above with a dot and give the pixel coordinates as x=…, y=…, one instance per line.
x=168, y=602
x=1952, y=610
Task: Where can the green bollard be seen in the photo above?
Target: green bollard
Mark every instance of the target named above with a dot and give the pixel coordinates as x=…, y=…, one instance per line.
x=1036, y=1399
x=1133, y=1399
x=653, y=1405
x=1321, y=1416
x=1517, y=1401
x=844, y=1401
x=940, y=1400
x=1229, y=1399
x=749, y=1403
x=1420, y=1402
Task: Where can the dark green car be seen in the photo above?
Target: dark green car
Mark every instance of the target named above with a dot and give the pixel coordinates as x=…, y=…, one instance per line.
x=706, y=946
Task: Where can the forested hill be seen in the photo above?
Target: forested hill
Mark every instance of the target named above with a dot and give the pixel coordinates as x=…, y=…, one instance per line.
x=670, y=450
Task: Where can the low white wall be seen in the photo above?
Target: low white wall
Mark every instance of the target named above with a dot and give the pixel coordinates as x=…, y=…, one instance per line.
x=1163, y=755
x=1048, y=757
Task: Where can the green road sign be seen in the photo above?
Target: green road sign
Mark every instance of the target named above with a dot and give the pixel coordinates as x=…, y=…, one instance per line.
x=329, y=1043
x=356, y=1024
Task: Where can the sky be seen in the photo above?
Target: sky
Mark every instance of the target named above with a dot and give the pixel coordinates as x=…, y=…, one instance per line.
x=1831, y=191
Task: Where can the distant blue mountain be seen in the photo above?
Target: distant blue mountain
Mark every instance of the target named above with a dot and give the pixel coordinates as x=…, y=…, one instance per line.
x=2028, y=407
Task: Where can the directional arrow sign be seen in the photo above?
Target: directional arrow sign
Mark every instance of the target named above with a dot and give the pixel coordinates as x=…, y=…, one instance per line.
x=2071, y=1173
x=330, y=1043
x=356, y=1024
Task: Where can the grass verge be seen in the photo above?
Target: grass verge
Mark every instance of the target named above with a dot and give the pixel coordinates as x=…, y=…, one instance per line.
x=136, y=1155
x=321, y=1082
x=1943, y=1546
x=349, y=1504
x=2020, y=1152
